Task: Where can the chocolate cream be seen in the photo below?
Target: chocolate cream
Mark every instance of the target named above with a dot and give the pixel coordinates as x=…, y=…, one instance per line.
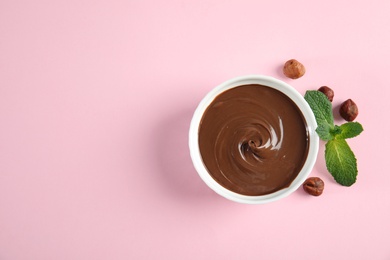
x=253, y=140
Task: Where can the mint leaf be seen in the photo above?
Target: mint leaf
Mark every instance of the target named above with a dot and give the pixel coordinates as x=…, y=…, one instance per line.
x=335, y=131
x=341, y=162
x=324, y=132
x=321, y=106
x=349, y=130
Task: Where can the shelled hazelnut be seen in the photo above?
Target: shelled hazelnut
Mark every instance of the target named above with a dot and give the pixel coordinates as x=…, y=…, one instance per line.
x=314, y=186
x=349, y=110
x=328, y=92
x=293, y=69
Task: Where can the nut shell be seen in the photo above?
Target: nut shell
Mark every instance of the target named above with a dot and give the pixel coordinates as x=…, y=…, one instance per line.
x=293, y=69
x=314, y=186
x=349, y=110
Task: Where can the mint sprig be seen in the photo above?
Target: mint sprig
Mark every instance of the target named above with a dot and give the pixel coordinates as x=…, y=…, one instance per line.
x=340, y=160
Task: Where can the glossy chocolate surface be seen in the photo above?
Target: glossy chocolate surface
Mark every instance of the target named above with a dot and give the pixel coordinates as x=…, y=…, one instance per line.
x=253, y=140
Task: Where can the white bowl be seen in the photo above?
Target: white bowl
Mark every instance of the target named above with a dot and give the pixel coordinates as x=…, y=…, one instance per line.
x=296, y=97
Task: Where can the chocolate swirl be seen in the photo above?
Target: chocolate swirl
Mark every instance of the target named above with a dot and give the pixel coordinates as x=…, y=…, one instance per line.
x=253, y=140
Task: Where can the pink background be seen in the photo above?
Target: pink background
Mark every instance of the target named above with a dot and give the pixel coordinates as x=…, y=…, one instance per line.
x=96, y=98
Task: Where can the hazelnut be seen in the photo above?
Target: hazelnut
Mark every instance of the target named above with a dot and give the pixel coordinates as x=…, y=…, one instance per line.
x=328, y=92
x=349, y=110
x=314, y=186
x=293, y=69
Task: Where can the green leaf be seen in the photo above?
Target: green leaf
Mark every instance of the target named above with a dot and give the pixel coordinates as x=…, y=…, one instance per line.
x=341, y=162
x=324, y=132
x=335, y=131
x=349, y=130
x=321, y=107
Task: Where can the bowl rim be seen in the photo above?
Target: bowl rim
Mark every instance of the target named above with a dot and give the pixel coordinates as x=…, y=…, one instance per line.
x=272, y=82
